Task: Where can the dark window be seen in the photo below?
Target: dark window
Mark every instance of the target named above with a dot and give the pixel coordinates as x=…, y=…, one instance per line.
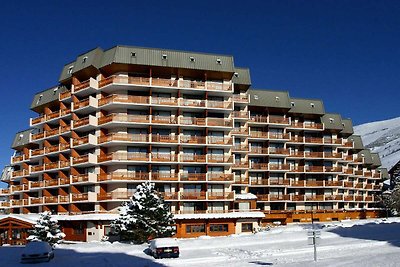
x=218, y=228
x=78, y=229
x=197, y=228
x=247, y=227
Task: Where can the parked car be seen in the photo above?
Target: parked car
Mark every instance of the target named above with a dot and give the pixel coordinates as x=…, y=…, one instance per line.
x=164, y=248
x=37, y=251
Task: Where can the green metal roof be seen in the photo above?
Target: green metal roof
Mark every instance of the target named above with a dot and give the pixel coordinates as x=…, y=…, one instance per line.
x=384, y=173
x=358, y=143
x=307, y=106
x=376, y=161
x=347, y=126
x=47, y=96
x=366, y=154
x=242, y=76
x=267, y=98
x=332, y=121
x=149, y=57
x=21, y=138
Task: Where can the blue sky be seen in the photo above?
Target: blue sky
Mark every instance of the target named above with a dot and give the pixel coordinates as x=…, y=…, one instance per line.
x=344, y=52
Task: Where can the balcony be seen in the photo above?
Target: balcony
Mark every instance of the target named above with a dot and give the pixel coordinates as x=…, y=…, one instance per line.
x=122, y=137
x=240, y=148
x=90, y=102
x=198, y=103
x=163, y=176
x=84, y=178
x=219, y=140
x=88, y=159
x=193, y=177
x=314, y=197
x=278, y=151
x=164, y=119
x=220, y=195
x=18, y=159
x=124, y=118
x=114, y=196
x=212, y=104
x=90, y=196
x=124, y=99
x=307, y=125
x=20, y=173
x=36, y=200
x=188, y=195
x=271, y=119
x=192, y=121
x=55, y=182
x=123, y=176
x=89, y=121
x=240, y=164
x=313, y=140
x=189, y=139
x=192, y=158
x=169, y=195
x=164, y=157
x=240, y=98
x=48, y=117
x=64, y=95
x=17, y=188
x=259, y=166
x=273, y=197
x=4, y=204
x=162, y=82
x=240, y=131
x=279, y=167
x=164, y=138
x=51, y=199
x=84, y=141
x=86, y=87
x=216, y=158
x=123, y=156
x=240, y=114
x=241, y=180
x=220, y=122
x=220, y=177
x=258, y=150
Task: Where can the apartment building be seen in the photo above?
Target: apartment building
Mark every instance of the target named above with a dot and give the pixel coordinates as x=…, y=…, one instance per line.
x=226, y=157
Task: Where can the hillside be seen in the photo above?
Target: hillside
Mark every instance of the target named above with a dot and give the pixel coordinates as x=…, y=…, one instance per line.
x=382, y=137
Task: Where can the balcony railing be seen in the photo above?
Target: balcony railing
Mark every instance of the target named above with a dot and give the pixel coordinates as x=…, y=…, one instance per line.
x=123, y=176
x=121, y=156
x=162, y=82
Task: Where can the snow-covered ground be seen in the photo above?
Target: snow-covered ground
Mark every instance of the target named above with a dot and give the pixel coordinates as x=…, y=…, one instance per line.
x=382, y=137
x=350, y=243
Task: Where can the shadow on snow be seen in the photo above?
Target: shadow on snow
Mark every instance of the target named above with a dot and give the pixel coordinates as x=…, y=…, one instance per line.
x=10, y=256
x=389, y=232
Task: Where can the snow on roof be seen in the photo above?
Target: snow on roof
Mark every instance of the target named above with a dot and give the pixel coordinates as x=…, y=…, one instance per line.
x=226, y=215
x=245, y=196
x=165, y=242
x=30, y=218
x=87, y=217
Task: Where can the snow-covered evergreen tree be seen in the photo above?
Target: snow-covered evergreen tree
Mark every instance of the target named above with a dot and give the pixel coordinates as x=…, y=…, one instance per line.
x=46, y=229
x=390, y=200
x=144, y=216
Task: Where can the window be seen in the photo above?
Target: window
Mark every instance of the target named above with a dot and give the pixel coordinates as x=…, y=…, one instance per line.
x=196, y=228
x=55, y=91
x=70, y=69
x=331, y=120
x=192, y=59
x=218, y=228
x=276, y=98
x=219, y=61
x=236, y=75
x=292, y=104
x=20, y=136
x=133, y=54
x=247, y=227
x=84, y=60
x=164, y=56
x=78, y=229
x=312, y=105
x=39, y=99
x=256, y=97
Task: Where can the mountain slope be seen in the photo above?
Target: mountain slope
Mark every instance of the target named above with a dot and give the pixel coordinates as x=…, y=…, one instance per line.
x=382, y=137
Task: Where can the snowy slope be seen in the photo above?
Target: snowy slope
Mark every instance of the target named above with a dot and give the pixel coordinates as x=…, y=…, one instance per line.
x=382, y=137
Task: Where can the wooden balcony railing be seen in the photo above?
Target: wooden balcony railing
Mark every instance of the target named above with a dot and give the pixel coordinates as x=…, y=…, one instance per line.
x=164, y=176
x=123, y=176
x=121, y=156
x=220, y=195
x=193, y=195
x=193, y=177
x=192, y=158
x=220, y=177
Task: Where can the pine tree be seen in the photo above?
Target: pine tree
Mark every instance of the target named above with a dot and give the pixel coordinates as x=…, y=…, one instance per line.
x=144, y=216
x=46, y=229
x=390, y=200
